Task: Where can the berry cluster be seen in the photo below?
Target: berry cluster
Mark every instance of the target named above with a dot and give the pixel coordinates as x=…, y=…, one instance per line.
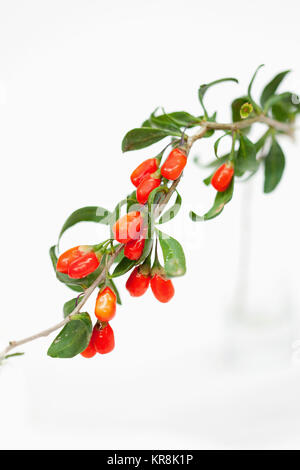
x=131, y=231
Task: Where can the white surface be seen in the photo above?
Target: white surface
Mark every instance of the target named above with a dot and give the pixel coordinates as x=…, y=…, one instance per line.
x=198, y=372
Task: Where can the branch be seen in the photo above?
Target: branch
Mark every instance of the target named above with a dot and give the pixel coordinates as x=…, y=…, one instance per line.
x=234, y=126
x=205, y=125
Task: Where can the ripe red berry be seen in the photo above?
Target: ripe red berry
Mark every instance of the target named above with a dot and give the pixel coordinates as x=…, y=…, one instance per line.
x=128, y=227
x=146, y=168
x=90, y=351
x=222, y=177
x=137, y=283
x=83, y=266
x=162, y=288
x=145, y=187
x=70, y=255
x=133, y=250
x=174, y=164
x=106, y=305
x=104, y=340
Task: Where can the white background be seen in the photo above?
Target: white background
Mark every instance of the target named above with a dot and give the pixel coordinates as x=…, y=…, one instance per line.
x=218, y=366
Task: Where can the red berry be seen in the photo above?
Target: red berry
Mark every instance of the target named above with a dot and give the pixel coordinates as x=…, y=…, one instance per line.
x=70, y=255
x=83, y=266
x=137, y=283
x=90, y=351
x=145, y=187
x=133, y=250
x=174, y=164
x=222, y=177
x=162, y=288
x=146, y=168
x=104, y=340
x=106, y=305
x=128, y=227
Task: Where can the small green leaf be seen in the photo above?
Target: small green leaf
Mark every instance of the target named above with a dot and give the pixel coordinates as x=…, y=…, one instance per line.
x=174, y=259
x=123, y=267
x=69, y=306
x=120, y=255
x=143, y=137
x=208, y=179
x=274, y=99
x=210, y=132
x=274, y=166
x=255, y=106
x=216, y=163
x=221, y=199
x=287, y=108
x=86, y=214
x=153, y=195
x=172, y=212
x=184, y=119
x=131, y=200
x=216, y=144
x=246, y=156
x=271, y=87
x=165, y=122
x=203, y=89
x=73, y=338
x=14, y=355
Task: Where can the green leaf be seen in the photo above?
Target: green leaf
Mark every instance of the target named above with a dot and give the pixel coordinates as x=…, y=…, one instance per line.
x=276, y=99
x=282, y=111
x=271, y=87
x=172, y=212
x=123, y=267
x=184, y=119
x=152, y=196
x=216, y=163
x=255, y=106
x=14, y=355
x=246, y=156
x=69, y=306
x=146, y=251
x=131, y=200
x=86, y=214
x=72, y=284
x=210, y=132
x=208, y=179
x=216, y=144
x=165, y=122
x=73, y=338
x=203, y=89
x=274, y=166
x=262, y=140
x=221, y=199
x=120, y=256
x=143, y=137
x=174, y=259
